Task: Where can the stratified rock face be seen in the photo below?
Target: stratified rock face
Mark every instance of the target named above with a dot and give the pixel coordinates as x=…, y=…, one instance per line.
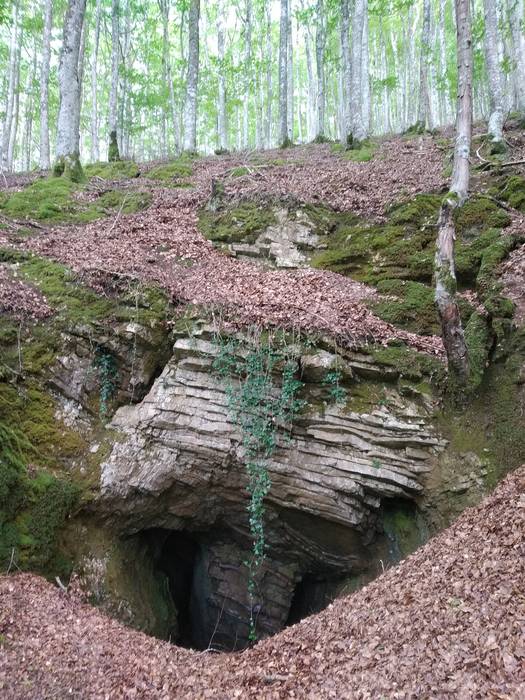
x=288, y=243
x=179, y=466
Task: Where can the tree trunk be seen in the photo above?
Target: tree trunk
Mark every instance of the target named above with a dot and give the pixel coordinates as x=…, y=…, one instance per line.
x=247, y=73
x=45, y=161
x=423, y=113
x=113, y=151
x=11, y=82
x=290, y=91
x=517, y=25
x=221, y=121
x=320, y=45
x=445, y=276
x=269, y=78
x=365, y=76
x=359, y=132
x=16, y=108
x=283, y=76
x=495, y=127
x=68, y=137
x=192, y=84
x=346, y=72
x=95, y=153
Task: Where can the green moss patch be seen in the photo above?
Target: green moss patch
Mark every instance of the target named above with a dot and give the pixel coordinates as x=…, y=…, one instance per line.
x=477, y=215
x=410, y=364
x=362, y=152
x=512, y=190
x=172, y=173
x=241, y=224
x=116, y=170
x=56, y=200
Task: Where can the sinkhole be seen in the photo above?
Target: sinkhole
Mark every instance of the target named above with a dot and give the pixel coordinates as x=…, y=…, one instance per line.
x=205, y=582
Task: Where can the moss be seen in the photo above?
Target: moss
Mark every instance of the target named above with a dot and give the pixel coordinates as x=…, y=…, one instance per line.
x=241, y=224
x=171, y=172
x=240, y=171
x=55, y=200
x=477, y=215
x=402, y=527
x=414, y=308
x=364, y=153
x=409, y=363
x=69, y=167
x=512, y=190
x=127, y=202
x=478, y=339
x=421, y=211
x=113, y=152
x=118, y=170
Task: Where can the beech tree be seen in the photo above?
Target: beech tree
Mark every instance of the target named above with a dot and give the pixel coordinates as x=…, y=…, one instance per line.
x=445, y=275
x=45, y=158
x=190, y=109
x=68, y=136
x=113, y=152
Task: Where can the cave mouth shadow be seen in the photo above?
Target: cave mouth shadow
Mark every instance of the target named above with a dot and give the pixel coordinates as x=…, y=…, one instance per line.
x=202, y=619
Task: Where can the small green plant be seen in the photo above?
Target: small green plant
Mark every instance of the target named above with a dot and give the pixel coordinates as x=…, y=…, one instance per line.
x=106, y=366
x=332, y=382
x=262, y=392
x=376, y=463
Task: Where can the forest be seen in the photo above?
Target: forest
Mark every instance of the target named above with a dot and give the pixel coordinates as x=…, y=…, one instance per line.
x=262, y=349
x=173, y=75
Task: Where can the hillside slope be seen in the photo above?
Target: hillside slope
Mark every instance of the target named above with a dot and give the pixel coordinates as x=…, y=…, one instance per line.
x=447, y=622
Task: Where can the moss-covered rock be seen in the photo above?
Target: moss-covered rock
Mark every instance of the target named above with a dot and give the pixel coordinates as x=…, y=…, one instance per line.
x=512, y=190
x=477, y=215
x=243, y=223
x=116, y=170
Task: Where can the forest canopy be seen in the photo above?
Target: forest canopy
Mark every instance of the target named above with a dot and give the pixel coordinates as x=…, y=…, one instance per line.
x=163, y=76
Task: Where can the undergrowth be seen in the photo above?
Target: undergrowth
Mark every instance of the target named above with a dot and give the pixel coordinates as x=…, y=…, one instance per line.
x=262, y=392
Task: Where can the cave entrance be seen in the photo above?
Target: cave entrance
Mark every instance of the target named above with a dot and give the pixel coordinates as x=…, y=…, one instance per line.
x=176, y=555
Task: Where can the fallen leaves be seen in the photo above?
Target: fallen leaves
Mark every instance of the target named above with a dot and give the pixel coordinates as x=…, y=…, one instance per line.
x=449, y=621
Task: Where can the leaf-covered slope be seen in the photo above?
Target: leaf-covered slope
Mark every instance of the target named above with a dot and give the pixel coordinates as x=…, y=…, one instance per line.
x=447, y=622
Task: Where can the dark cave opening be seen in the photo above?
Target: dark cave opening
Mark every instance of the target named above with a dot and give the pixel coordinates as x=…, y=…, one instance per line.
x=176, y=555
x=313, y=593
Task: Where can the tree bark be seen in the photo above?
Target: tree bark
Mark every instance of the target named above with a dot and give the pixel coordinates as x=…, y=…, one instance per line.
x=113, y=151
x=247, y=72
x=445, y=275
x=423, y=114
x=495, y=126
x=283, y=76
x=346, y=70
x=359, y=132
x=192, y=84
x=290, y=91
x=68, y=137
x=269, y=78
x=221, y=121
x=95, y=152
x=517, y=26
x=11, y=83
x=320, y=46
x=45, y=159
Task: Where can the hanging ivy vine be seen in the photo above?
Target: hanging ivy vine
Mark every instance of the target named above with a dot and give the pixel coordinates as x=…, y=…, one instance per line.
x=262, y=390
x=106, y=366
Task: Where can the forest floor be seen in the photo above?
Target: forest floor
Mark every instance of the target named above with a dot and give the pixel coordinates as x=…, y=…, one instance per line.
x=449, y=621
x=164, y=245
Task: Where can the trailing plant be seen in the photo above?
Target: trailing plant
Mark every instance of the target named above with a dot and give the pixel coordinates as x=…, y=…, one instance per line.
x=106, y=366
x=332, y=381
x=262, y=392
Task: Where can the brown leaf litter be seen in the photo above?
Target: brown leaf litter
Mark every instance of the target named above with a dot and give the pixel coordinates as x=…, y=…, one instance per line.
x=448, y=622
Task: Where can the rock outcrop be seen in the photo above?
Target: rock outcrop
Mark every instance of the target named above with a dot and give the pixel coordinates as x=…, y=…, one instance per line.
x=179, y=466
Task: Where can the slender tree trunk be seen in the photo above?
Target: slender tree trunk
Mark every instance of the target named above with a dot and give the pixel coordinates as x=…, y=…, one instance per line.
x=320, y=45
x=192, y=84
x=16, y=109
x=346, y=70
x=365, y=75
x=67, y=151
x=222, y=131
x=423, y=114
x=165, y=11
x=290, y=91
x=283, y=75
x=11, y=82
x=359, y=132
x=312, y=118
x=517, y=26
x=445, y=275
x=95, y=152
x=113, y=151
x=45, y=161
x=494, y=75
x=247, y=68
x=269, y=77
